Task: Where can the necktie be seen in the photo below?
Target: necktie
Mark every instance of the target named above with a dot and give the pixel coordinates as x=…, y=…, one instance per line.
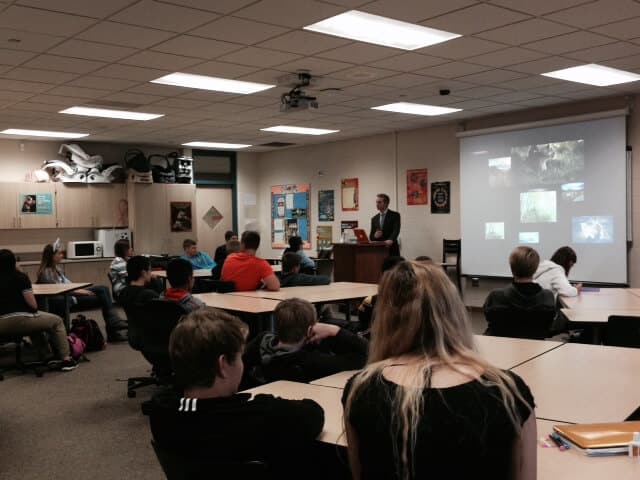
x=381, y=220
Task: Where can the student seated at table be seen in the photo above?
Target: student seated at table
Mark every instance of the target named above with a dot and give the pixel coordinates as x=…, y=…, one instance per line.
x=291, y=276
x=180, y=276
x=97, y=296
x=19, y=315
x=206, y=419
x=139, y=290
x=118, y=268
x=246, y=270
x=365, y=310
x=199, y=260
x=307, y=265
x=523, y=294
x=302, y=349
x=232, y=246
x=427, y=405
x=552, y=274
x=223, y=250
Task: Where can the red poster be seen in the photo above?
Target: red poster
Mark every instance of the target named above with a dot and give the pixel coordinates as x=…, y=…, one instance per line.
x=417, y=187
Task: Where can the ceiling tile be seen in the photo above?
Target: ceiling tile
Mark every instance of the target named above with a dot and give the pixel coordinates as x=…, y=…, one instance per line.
x=481, y=92
x=129, y=72
x=126, y=35
x=569, y=42
x=526, y=83
x=605, y=52
x=492, y=76
x=67, y=91
x=597, y=13
x=317, y=66
x=254, y=101
x=258, y=57
x=362, y=74
x=87, y=8
x=366, y=90
x=408, y=62
x=462, y=47
x=160, y=60
x=63, y=64
x=623, y=30
x=289, y=13
x=58, y=100
x=239, y=30
x=157, y=90
x=514, y=97
x=539, y=7
x=303, y=42
x=92, y=50
x=542, y=101
x=560, y=88
x=548, y=64
x=46, y=76
x=631, y=62
x=13, y=57
x=148, y=13
x=359, y=53
x=498, y=109
x=41, y=21
x=28, y=41
x=219, y=6
x=453, y=70
x=472, y=104
x=415, y=10
x=506, y=57
x=475, y=19
x=405, y=80
x=102, y=83
x=191, y=46
x=36, y=107
x=526, y=31
x=126, y=97
x=23, y=86
x=263, y=76
x=221, y=69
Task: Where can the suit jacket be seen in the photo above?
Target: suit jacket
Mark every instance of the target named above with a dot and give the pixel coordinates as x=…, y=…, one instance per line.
x=390, y=230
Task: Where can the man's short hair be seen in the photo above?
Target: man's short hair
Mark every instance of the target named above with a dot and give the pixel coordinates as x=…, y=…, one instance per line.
x=524, y=262
x=136, y=265
x=121, y=248
x=179, y=271
x=233, y=246
x=188, y=243
x=290, y=260
x=385, y=197
x=390, y=262
x=197, y=342
x=250, y=239
x=294, y=316
x=228, y=234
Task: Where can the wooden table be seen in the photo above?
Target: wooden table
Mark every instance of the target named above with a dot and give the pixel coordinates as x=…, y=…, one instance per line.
x=236, y=303
x=596, y=315
x=605, y=299
x=200, y=273
x=337, y=380
x=328, y=398
x=52, y=289
x=584, y=383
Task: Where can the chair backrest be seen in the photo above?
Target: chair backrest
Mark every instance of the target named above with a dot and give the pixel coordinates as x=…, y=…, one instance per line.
x=622, y=331
x=179, y=467
x=135, y=313
x=220, y=286
x=451, y=248
x=516, y=322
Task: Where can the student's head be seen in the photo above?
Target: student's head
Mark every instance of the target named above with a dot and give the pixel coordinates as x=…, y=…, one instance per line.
x=7, y=262
x=122, y=248
x=233, y=246
x=190, y=247
x=565, y=257
x=291, y=262
x=139, y=268
x=230, y=235
x=382, y=201
x=524, y=262
x=52, y=255
x=180, y=273
x=390, y=262
x=206, y=350
x=294, y=318
x=295, y=243
x=250, y=240
x=423, y=258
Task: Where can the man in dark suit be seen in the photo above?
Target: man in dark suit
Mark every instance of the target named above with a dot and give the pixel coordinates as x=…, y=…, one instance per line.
x=385, y=226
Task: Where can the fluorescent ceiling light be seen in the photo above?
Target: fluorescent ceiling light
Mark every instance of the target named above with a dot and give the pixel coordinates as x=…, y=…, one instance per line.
x=42, y=133
x=103, y=112
x=215, y=145
x=216, y=84
x=416, y=109
x=369, y=28
x=298, y=130
x=593, y=74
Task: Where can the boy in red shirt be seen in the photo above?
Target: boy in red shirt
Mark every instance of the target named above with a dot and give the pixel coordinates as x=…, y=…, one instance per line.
x=246, y=270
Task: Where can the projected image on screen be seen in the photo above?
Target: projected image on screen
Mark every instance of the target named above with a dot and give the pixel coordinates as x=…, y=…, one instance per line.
x=494, y=231
x=592, y=229
x=548, y=163
x=499, y=169
x=573, y=192
x=538, y=207
x=528, y=237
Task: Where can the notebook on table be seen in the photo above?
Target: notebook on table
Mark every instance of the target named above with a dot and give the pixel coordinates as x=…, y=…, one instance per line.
x=595, y=439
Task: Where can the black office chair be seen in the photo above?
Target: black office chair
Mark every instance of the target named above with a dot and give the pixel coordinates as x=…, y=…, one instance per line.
x=220, y=286
x=622, y=331
x=180, y=467
x=519, y=323
x=450, y=249
x=37, y=367
x=150, y=326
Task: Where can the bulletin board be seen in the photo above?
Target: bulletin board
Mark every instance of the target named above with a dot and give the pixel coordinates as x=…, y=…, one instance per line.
x=290, y=214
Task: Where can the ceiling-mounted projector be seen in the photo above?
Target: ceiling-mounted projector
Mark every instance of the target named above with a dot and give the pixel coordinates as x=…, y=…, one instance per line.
x=296, y=99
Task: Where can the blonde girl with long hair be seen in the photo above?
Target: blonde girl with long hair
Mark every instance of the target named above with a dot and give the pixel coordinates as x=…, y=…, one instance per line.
x=427, y=405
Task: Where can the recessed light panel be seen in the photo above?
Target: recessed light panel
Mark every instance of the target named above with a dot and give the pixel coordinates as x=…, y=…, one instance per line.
x=378, y=30
x=298, y=130
x=42, y=133
x=416, y=109
x=593, y=74
x=106, y=113
x=215, y=145
x=216, y=84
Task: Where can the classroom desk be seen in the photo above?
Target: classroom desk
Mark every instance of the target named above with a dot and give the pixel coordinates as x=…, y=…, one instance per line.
x=201, y=273
x=605, y=299
x=584, y=383
x=317, y=293
x=52, y=289
x=554, y=464
x=595, y=315
x=328, y=398
x=236, y=303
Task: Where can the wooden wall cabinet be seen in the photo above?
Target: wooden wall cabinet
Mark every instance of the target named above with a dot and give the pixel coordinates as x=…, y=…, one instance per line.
x=12, y=218
x=90, y=206
x=9, y=203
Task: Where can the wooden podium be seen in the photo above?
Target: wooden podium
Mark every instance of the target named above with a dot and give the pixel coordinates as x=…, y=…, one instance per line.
x=358, y=262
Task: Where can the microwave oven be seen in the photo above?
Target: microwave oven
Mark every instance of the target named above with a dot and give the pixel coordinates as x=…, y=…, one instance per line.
x=84, y=249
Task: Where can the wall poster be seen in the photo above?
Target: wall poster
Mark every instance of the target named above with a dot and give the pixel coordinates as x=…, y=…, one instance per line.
x=290, y=214
x=326, y=206
x=325, y=236
x=417, y=187
x=180, y=216
x=441, y=197
x=349, y=190
x=36, y=203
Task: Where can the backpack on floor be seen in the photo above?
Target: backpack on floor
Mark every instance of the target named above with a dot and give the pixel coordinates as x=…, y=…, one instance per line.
x=76, y=346
x=87, y=330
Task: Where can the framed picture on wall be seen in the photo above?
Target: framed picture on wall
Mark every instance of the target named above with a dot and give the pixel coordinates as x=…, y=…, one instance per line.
x=350, y=193
x=441, y=197
x=417, y=187
x=326, y=206
x=181, y=216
